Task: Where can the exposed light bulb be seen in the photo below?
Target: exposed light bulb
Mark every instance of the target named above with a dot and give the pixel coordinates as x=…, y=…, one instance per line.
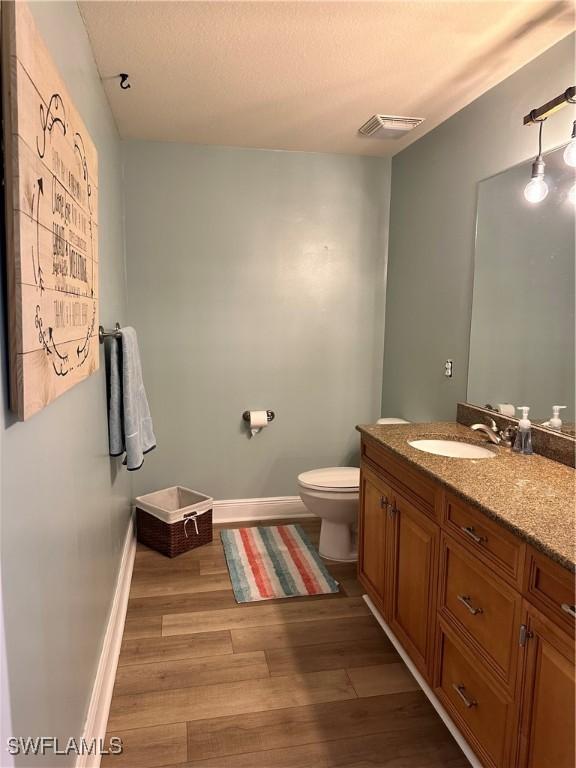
x=570, y=151
x=572, y=194
x=570, y=154
x=536, y=189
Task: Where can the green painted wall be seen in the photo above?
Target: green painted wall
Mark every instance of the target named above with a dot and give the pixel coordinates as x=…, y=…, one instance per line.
x=65, y=504
x=432, y=223
x=256, y=280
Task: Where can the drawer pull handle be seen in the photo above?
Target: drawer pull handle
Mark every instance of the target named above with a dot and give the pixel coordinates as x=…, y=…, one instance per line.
x=569, y=609
x=467, y=601
x=469, y=531
x=461, y=691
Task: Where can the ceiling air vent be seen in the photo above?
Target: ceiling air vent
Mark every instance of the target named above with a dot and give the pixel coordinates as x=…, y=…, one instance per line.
x=389, y=126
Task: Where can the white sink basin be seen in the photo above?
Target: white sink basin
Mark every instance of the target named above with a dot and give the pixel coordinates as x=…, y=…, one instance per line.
x=453, y=448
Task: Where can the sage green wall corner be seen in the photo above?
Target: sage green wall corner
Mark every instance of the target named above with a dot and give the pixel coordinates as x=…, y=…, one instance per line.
x=256, y=280
x=64, y=504
x=432, y=223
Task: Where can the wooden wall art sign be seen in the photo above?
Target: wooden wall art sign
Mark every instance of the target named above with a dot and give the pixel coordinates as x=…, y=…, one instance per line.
x=51, y=199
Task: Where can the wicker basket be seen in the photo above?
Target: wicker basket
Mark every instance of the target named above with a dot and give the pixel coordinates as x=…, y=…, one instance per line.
x=174, y=520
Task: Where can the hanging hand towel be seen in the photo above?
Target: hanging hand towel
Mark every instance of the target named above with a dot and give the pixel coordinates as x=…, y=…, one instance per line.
x=129, y=420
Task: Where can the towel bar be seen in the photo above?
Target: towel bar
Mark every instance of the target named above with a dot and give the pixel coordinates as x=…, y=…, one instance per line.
x=115, y=334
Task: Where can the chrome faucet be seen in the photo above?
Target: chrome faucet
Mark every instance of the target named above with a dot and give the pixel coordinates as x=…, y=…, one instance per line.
x=491, y=431
x=504, y=436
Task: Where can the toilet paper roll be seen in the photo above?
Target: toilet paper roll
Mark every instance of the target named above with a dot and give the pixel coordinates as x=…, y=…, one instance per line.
x=506, y=409
x=258, y=420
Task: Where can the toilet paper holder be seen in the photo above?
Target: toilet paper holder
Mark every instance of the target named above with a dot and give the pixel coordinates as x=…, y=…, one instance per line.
x=270, y=415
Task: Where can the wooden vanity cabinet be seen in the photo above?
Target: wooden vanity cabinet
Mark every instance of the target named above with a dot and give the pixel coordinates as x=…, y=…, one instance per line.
x=487, y=620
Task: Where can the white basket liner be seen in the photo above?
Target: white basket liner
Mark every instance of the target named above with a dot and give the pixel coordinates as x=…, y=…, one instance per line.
x=172, y=505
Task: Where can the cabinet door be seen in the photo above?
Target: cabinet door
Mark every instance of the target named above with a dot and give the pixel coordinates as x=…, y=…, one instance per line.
x=547, y=707
x=375, y=498
x=414, y=565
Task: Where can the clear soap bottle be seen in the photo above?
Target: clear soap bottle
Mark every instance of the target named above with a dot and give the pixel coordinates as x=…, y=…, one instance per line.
x=523, y=442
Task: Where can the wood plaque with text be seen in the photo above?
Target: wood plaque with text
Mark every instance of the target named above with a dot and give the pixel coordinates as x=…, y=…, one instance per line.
x=51, y=202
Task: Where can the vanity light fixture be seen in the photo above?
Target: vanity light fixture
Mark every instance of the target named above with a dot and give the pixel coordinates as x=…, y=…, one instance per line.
x=570, y=151
x=537, y=189
x=541, y=113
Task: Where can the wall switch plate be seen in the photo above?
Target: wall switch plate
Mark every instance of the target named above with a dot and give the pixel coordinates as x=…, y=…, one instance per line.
x=448, y=368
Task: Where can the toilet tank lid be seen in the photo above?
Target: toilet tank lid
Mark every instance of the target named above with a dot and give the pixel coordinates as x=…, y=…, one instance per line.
x=331, y=477
x=392, y=420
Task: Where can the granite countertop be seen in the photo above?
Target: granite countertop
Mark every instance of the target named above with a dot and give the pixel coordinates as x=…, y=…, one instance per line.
x=532, y=496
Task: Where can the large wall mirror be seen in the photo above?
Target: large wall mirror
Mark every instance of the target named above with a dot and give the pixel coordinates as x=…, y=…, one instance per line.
x=522, y=338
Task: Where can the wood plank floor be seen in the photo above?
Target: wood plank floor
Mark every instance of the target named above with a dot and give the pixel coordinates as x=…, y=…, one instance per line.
x=299, y=683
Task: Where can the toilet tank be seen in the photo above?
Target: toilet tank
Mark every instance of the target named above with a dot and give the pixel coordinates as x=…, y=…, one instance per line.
x=392, y=420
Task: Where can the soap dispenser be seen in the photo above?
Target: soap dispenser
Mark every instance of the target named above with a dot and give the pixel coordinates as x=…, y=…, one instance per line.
x=523, y=442
x=555, y=422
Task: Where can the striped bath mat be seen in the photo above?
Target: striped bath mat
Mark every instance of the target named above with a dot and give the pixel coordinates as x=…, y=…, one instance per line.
x=274, y=561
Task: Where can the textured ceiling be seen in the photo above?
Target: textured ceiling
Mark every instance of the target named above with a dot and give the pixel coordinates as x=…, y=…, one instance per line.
x=305, y=75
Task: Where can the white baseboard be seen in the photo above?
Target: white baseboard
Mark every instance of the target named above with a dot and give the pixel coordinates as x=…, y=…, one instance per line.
x=5, y=709
x=267, y=508
x=448, y=722
x=99, y=707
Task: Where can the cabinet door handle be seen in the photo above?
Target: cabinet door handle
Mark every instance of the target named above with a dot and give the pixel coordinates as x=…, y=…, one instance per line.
x=469, y=531
x=525, y=634
x=467, y=601
x=461, y=691
x=569, y=609
x=384, y=503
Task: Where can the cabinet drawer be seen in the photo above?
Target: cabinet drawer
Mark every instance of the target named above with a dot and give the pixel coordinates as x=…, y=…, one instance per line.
x=479, y=708
x=493, y=544
x=551, y=588
x=483, y=608
x=412, y=483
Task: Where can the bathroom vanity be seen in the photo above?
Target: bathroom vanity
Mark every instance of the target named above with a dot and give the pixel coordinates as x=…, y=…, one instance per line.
x=470, y=565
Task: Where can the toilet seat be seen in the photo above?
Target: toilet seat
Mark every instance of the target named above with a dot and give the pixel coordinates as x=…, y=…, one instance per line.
x=333, y=479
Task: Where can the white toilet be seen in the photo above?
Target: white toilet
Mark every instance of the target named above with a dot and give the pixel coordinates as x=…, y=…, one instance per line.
x=332, y=494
